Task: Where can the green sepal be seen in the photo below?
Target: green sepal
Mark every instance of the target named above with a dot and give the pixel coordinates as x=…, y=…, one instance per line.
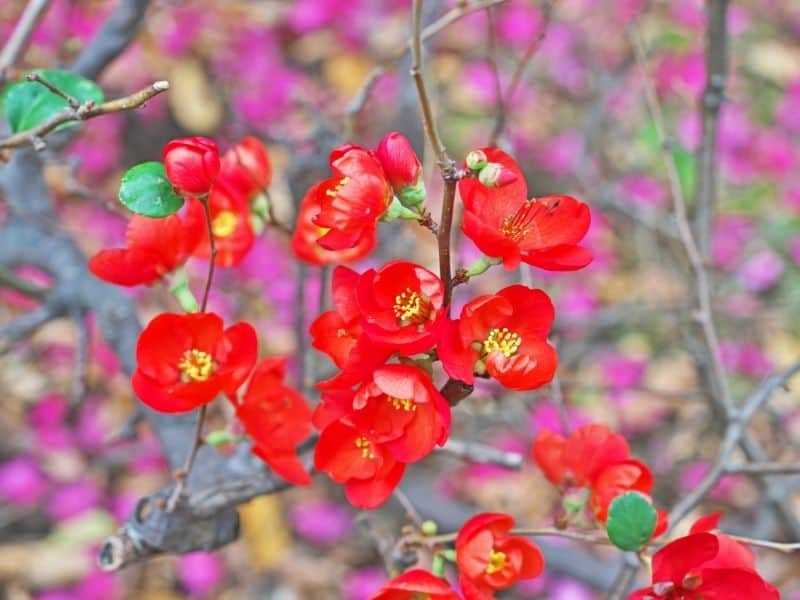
x=179, y=287
x=396, y=210
x=413, y=196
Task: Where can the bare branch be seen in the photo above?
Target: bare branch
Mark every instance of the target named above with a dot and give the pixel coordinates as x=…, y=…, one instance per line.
x=482, y=453
x=87, y=110
x=765, y=468
x=710, y=104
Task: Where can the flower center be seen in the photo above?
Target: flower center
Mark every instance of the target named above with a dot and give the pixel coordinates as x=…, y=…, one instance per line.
x=405, y=404
x=196, y=365
x=503, y=340
x=224, y=224
x=334, y=191
x=497, y=561
x=411, y=307
x=366, y=447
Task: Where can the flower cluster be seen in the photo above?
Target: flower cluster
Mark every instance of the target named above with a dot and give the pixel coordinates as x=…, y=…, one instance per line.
x=488, y=558
x=705, y=564
x=230, y=184
x=594, y=459
x=338, y=217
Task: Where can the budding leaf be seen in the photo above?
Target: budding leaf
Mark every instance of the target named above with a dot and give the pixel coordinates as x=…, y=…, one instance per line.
x=631, y=521
x=26, y=104
x=146, y=191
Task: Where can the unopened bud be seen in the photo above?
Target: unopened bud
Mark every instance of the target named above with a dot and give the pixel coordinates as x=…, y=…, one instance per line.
x=476, y=160
x=429, y=528
x=496, y=175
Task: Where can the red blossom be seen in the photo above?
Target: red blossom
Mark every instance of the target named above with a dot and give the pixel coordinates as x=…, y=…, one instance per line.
x=352, y=201
x=504, y=335
x=307, y=233
x=503, y=223
x=705, y=566
x=490, y=559
x=154, y=248
x=192, y=164
x=415, y=584
x=397, y=415
x=399, y=161
x=595, y=458
x=245, y=169
x=339, y=334
x=185, y=361
x=401, y=304
x=366, y=468
x=230, y=224
x=277, y=418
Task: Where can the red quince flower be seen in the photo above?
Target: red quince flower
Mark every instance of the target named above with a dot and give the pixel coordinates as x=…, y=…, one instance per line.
x=504, y=335
x=490, y=559
x=595, y=458
x=352, y=201
x=230, y=224
x=401, y=304
x=339, y=334
x=399, y=161
x=277, y=418
x=186, y=360
x=397, y=414
x=367, y=469
x=154, y=248
x=705, y=566
x=416, y=584
x=192, y=164
x=503, y=223
x=306, y=234
x=245, y=169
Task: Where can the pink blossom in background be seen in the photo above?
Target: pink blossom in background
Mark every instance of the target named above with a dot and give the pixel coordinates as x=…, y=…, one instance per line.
x=731, y=233
x=790, y=196
x=47, y=420
x=627, y=10
x=21, y=481
x=545, y=415
x=91, y=428
x=73, y=498
x=693, y=473
x=745, y=358
x=183, y=23
x=122, y=505
x=562, y=153
x=518, y=23
x=99, y=586
x=688, y=13
x=96, y=147
x=760, y=271
x=681, y=73
x=787, y=115
x=689, y=129
x=321, y=522
x=642, y=190
x=362, y=583
x=569, y=589
x=620, y=371
x=200, y=573
x=775, y=153
x=577, y=303
x=309, y=15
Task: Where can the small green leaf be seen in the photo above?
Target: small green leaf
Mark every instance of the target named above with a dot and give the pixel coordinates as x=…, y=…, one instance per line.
x=219, y=437
x=686, y=164
x=146, y=191
x=631, y=521
x=26, y=104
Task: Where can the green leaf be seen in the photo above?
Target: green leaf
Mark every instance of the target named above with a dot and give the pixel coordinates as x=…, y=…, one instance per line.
x=26, y=104
x=631, y=521
x=146, y=191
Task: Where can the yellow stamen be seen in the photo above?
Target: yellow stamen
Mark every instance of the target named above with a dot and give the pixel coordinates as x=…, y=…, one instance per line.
x=334, y=191
x=503, y=340
x=196, y=365
x=497, y=562
x=366, y=447
x=224, y=224
x=402, y=404
x=411, y=307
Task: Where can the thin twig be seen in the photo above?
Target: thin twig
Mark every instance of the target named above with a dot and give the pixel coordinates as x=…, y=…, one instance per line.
x=16, y=44
x=182, y=474
x=71, y=100
x=482, y=453
x=703, y=315
x=710, y=104
x=11, y=280
x=87, y=110
x=765, y=468
x=516, y=77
